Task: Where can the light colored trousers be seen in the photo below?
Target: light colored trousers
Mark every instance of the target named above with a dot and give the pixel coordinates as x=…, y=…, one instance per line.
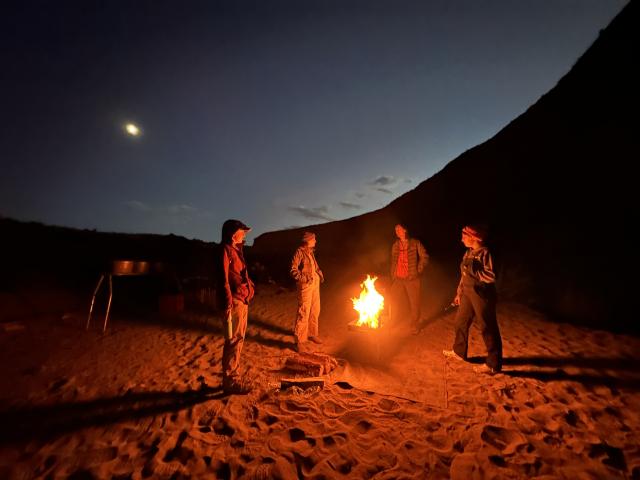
x=308, y=310
x=235, y=328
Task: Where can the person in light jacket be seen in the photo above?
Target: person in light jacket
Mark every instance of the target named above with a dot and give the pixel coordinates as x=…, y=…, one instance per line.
x=308, y=276
x=235, y=292
x=476, y=297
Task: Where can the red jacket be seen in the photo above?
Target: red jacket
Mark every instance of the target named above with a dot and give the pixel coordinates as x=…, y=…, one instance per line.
x=236, y=283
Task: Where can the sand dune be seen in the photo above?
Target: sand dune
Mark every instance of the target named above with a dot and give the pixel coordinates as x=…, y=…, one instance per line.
x=143, y=401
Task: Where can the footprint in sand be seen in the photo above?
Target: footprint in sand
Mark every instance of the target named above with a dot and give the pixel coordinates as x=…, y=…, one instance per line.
x=388, y=405
x=363, y=426
x=290, y=406
x=222, y=427
x=297, y=435
x=334, y=440
x=341, y=464
x=179, y=452
x=332, y=409
x=155, y=469
x=440, y=443
x=609, y=455
x=507, y=441
x=432, y=426
x=304, y=463
x=98, y=456
x=270, y=419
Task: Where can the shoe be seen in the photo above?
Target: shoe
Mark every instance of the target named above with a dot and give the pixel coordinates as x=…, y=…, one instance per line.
x=236, y=387
x=297, y=345
x=486, y=369
x=452, y=354
x=315, y=340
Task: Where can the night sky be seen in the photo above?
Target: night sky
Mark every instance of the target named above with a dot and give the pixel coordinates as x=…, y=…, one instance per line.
x=278, y=113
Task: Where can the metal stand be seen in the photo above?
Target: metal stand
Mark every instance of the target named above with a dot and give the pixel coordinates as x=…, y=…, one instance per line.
x=93, y=300
x=120, y=268
x=370, y=336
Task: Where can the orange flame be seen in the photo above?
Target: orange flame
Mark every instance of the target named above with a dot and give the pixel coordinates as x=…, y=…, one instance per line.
x=369, y=305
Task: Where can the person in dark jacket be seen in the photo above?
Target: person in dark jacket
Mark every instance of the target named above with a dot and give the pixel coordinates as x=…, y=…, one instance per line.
x=408, y=260
x=308, y=276
x=476, y=297
x=235, y=292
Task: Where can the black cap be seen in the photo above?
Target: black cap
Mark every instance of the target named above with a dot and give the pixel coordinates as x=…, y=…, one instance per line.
x=231, y=226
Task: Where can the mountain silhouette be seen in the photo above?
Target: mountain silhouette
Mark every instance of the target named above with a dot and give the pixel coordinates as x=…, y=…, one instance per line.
x=555, y=187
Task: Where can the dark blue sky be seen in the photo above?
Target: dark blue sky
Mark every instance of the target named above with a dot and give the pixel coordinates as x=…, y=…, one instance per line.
x=277, y=113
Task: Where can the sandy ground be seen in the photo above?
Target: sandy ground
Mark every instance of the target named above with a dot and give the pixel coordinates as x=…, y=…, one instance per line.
x=143, y=401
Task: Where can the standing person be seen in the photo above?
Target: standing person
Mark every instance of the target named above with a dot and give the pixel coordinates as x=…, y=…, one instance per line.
x=308, y=276
x=476, y=296
x=408, y=259
x=236, y=291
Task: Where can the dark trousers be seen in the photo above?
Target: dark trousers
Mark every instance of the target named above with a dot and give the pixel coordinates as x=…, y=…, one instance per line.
x=405, y=290
x=480, y=302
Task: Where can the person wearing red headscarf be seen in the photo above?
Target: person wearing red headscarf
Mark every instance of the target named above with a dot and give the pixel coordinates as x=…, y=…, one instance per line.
x=476, y=298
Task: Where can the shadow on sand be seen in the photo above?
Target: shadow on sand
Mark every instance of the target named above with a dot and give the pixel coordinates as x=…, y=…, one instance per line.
x=209, y=323
x=629, y=378
x=46, y=421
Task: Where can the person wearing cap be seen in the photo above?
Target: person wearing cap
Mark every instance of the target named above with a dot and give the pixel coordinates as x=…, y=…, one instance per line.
x=235, y=292
x=408, y=260
x=476, y=297
x=308, y=276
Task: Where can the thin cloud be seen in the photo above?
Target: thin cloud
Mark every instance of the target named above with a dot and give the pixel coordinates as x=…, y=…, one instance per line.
x=181, y=209
x=360, y=194
x=316, y=213
x=352, y=206
x=176, y=210
x=383, y=181
x=138, y=206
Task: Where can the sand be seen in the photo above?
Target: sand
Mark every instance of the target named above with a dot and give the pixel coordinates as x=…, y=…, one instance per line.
x=143, y=400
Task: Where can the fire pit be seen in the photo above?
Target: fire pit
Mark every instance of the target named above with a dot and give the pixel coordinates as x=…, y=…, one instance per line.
x=369, y=305
x=371, y=315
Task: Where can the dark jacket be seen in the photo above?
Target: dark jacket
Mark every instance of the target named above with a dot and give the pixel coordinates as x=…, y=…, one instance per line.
x=476, y=269
x=418, y=258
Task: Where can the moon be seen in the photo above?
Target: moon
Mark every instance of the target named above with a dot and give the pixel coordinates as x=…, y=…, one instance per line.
x=132, y=130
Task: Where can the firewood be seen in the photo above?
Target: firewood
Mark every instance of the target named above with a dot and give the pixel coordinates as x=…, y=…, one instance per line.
x=327, y=361
x=306, y=382
x=299, y=364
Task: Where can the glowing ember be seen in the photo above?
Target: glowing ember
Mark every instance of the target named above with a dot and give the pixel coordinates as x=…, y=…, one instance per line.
x=369, y=305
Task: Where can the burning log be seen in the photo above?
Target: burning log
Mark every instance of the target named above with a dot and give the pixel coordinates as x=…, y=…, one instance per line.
x=354, y=326
x=369, y=304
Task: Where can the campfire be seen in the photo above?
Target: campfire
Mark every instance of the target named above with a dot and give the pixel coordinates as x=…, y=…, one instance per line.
x=369, y=305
